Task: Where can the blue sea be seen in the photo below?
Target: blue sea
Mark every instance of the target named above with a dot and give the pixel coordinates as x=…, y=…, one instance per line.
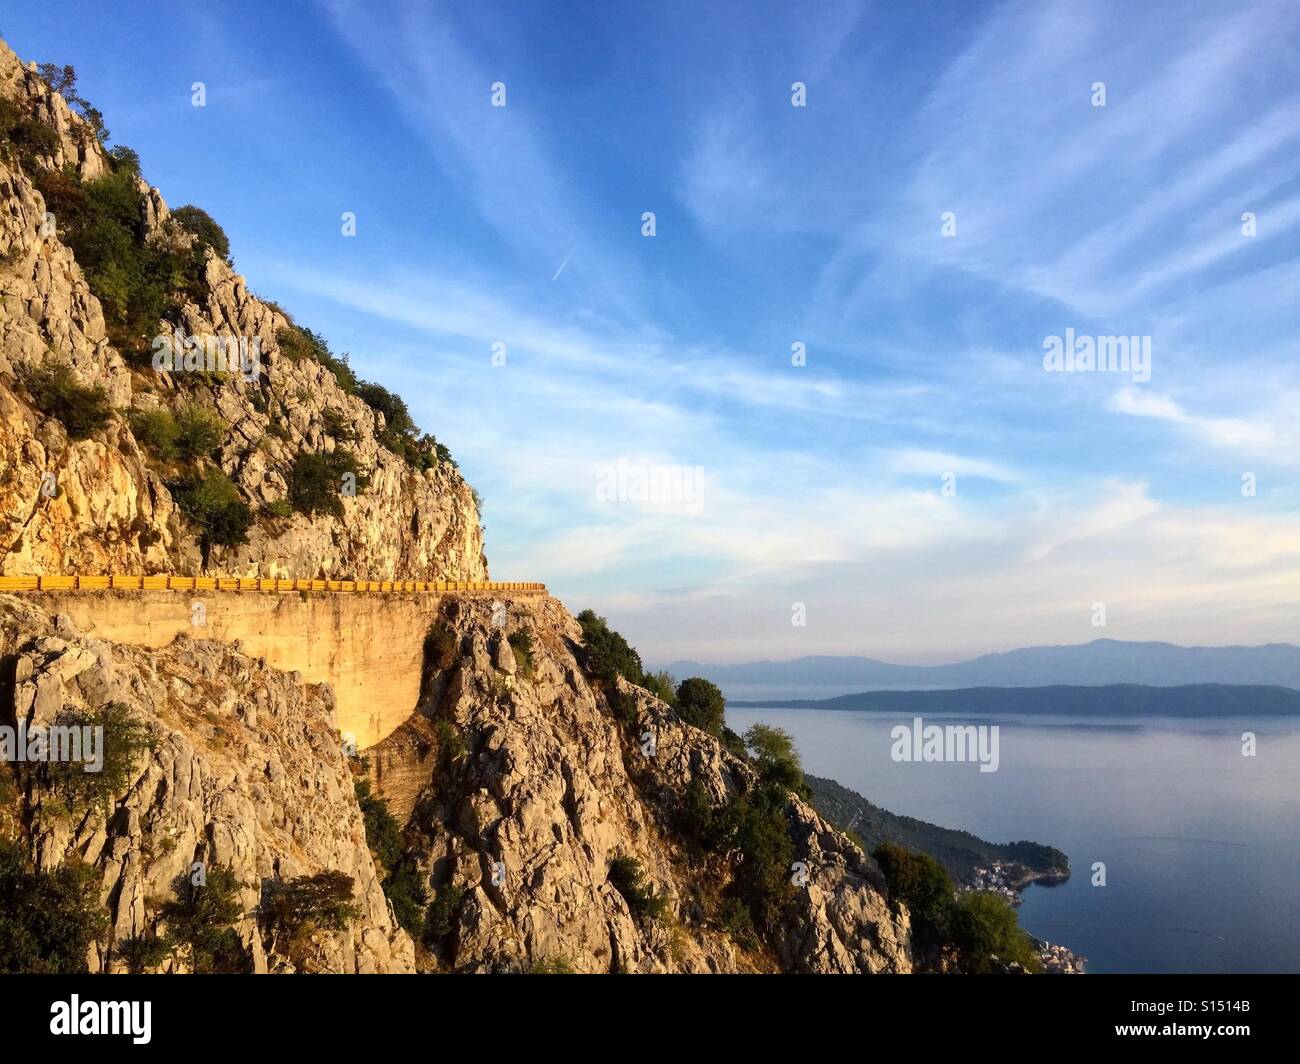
x=1201, y=845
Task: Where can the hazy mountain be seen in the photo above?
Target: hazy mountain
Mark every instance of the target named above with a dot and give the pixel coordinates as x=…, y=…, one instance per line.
x=1103, y=661
x=1120, y=700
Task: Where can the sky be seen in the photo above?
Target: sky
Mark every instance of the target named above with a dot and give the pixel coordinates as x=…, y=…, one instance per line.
x=811, y=413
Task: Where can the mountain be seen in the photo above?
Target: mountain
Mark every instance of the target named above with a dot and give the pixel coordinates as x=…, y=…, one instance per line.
x=958, y=851
x=517, y=820
x=1114, y=700
x=109, y=463
x=1101, y=662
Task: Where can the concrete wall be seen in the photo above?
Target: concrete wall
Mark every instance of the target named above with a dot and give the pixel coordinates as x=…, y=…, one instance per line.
x=369, y=648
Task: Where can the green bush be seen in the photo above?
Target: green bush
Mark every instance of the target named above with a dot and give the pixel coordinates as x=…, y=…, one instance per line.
x=984, y=928
x=699, y=702
x=199, y=222
x=155, y=430
x=316, y=481
x=280, y=508
x=627, y=877
x=404, y=887
x=49, y=920
x=137, y=281
x=305, y=904
x=297, y=342
x=521, y=642
x=126, y=738
x=774, y=755
x=202, y=918
x=213, y=503
x=24, y=137
x=441, y=647
x=199, y=431
x=56, y=393
x=383, y=833
x=440, y=920
x=755, y=824
x=661, y=685
x=337, y=426
x=608, y=654
x=141, y=953
x=919, y=882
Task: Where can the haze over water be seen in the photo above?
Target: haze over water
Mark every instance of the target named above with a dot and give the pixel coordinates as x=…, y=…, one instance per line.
x=1201, y=844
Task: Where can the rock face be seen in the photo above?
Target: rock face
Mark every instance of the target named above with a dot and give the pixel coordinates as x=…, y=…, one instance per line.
x=247, y=771
x=112, y=510
x=530, y=783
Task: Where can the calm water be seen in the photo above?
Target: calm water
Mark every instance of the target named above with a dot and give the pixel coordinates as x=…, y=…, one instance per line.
x=1201, y=844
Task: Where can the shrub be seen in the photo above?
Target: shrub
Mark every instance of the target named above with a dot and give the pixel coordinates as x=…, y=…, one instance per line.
x=156, y=431
x=305, y=904
x=49, y=920
x=202, y=918
x=199, y=431
x=199, y=222
x=450, y=741
x=521, y=642
x=383, y=833
x=213, y=503
x=297, y=342
x=138, y=281
x=125, y=739
x=140, y=953
x=661, y=685
x=775, y=757
x=441, y=646
x=316, y=481
x=279, y=508
x=404, y=888
x=755, y=824
x=699, y=702
x=608, y=654
x=984, y=928
x=57, y=394
x=627, y=877
x=337, y=426
x=552, y=966
x=440, y=920
x=918, y=881
x=23, y=136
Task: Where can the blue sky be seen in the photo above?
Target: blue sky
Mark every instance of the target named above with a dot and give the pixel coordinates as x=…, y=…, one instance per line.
x=823, y=484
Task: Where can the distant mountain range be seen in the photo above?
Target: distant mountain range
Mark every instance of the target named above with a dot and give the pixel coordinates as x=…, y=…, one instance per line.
x=1116, y=700
x=1101, y=662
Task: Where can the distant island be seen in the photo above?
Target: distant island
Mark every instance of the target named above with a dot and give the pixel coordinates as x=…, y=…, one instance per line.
x=1102, y=662
x=1112, y=700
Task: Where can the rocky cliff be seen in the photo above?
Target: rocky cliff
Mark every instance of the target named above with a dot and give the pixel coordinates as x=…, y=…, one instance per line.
x=106, y=502
x=520, y=785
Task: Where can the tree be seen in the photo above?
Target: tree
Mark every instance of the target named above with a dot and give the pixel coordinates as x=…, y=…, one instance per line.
x=63, y=80
x=202, y=919
x=609, y=655
x=775, y=757
x=199, y=222
x=662, y=685
x=49, y=920
x=700, y=702
x=627, y=877
x=213, y=503
x=305, y=904
x=125, y=739
x=317, y=478
x=918, y=881
x=987, y=935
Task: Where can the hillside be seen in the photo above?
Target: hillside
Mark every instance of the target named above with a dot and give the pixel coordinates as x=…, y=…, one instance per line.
x=1101, y=662
x=958, y=851
x=286, y=465
x=1116, y=700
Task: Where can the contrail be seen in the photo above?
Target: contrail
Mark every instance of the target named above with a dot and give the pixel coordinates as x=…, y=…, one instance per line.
x=563, y=264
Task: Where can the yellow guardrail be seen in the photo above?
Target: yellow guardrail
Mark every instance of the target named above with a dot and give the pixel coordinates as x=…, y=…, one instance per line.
x=257, y=583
